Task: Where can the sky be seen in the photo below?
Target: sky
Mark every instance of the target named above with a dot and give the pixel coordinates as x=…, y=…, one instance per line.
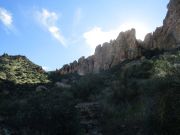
x=52, y=33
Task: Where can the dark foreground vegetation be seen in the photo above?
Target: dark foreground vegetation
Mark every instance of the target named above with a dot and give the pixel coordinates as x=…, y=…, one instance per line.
x=138, y=97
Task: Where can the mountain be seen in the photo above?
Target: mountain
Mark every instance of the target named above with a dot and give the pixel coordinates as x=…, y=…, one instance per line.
x=126, y=46
x=128, y=87
x=19, y=69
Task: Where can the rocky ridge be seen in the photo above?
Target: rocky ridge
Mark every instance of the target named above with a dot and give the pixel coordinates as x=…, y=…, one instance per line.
x=168, y=35
x=126, y=46
x=107, y=55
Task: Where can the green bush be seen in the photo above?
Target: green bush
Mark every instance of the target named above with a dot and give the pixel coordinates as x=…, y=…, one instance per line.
x=46, y=112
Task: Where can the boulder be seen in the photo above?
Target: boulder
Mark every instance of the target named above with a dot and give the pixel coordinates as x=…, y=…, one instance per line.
x=41, y=88
x=62, y=85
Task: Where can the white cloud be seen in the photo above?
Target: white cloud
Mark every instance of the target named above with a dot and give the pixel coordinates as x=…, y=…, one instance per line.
x=77, y=16
x=49, y=21
x=46, y=68
x=141, y=28
x=96, y=35
x=6, y=17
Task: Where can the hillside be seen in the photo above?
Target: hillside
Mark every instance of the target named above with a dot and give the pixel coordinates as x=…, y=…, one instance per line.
x=19, y=69
x=136, y=97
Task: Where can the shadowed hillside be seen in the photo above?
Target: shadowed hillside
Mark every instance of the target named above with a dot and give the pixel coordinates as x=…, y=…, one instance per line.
x=136, y=97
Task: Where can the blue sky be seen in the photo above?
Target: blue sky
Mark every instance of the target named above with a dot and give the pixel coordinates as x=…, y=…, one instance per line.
x=52, y=33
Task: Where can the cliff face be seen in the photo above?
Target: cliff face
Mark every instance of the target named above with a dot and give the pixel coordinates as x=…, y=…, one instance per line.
x=168, y=35
x=110, y=54
x=126, y=45
x=106, y=55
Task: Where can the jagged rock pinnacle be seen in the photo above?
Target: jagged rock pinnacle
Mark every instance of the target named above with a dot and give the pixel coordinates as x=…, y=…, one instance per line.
x=126, y=46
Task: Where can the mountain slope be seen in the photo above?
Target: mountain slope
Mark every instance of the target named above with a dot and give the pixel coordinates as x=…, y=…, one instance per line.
x=21, y=70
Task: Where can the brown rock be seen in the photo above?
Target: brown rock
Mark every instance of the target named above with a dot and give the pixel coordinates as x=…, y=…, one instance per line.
x=107, y=55
x=148, y=41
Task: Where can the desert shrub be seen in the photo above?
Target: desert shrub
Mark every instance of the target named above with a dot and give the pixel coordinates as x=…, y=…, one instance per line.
x=48, y=113
x=2, y=75
x=136, y=97
x=89, y=87
x=145, y=99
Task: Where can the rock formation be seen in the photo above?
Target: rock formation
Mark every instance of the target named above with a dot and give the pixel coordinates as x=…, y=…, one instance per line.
x=106, y=55
x=126, y=46
x=168, y=35
x=110, y=54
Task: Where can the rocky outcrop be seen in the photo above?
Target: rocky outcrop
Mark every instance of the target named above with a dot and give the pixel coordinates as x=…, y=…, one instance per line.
x=62, y=85
x=106, y=55
x=167, y=36
x=126, y=46
x=110, y=54
x=82, y=66
x=41, y=88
